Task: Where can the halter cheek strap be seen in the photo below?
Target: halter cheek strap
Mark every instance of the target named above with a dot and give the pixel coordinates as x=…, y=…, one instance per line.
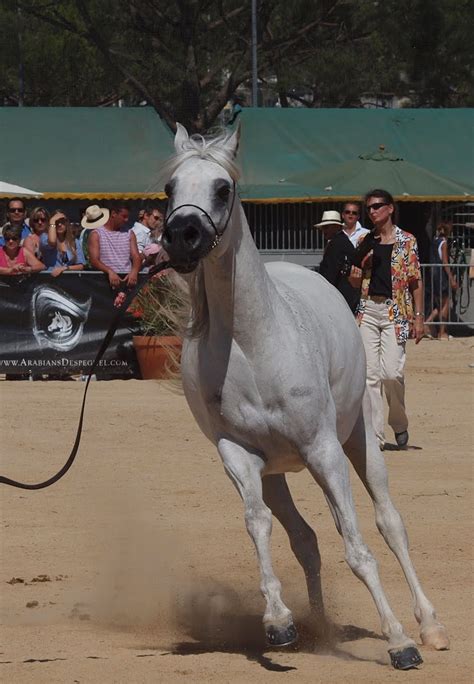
x=218, y=234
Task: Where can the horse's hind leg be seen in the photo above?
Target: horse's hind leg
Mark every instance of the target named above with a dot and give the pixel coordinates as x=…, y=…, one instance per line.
x=244, y=469
x=303, y=541
x=328, y=465
x=368, y=461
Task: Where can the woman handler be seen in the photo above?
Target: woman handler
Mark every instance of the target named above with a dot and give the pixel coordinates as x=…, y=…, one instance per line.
x=390, y=310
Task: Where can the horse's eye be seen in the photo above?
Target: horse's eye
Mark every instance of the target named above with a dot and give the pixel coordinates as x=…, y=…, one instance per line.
x=168, y=190
x=224, y=192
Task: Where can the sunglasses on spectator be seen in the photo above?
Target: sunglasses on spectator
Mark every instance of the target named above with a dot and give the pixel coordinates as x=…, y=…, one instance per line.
x=349, y=211
x=61, y=222
x=11, y=238
x=376, y=205
x=156, y=217
x=39, y=219
x=16, y=210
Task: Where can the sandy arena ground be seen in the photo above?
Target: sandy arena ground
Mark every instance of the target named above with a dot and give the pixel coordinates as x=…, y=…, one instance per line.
x=136, y=567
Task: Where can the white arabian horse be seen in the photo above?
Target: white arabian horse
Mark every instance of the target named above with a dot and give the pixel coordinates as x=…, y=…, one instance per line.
x=273, y=370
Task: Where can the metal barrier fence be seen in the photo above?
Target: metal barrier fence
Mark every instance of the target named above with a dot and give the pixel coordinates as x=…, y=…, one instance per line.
x=286, y=226
x=443, y=303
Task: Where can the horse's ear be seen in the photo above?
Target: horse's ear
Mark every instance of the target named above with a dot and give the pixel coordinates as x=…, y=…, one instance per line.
x=232, y=144
x=180, y=138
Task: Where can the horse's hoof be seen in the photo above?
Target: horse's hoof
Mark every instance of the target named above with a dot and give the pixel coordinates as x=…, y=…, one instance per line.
x=406, y=659
x=281, y=636
x=435, y=636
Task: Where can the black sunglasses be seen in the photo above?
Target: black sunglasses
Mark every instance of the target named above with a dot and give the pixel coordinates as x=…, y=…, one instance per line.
x=349, y=211
x=39, y=220
x=16, y=210
x=11, y=238
x=375, y=206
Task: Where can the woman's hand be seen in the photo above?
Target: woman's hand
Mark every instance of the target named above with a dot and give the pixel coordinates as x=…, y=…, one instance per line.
x=453, y=282
x=55, y=217
x=20, y=268
x=419, y=328
x=57, y=271
x=355, y=277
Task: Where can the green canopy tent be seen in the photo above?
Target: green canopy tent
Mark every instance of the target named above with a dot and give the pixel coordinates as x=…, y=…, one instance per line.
x=283, y=150
x=349, y=180
x=84, y=152
x=118, y=152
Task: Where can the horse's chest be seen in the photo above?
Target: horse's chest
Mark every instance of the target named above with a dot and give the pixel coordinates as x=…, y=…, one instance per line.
x=232, y=399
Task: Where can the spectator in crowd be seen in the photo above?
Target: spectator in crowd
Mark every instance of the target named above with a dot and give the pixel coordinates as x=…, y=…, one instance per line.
x=60, y=250
x=145, y=229
x=92, y=217
x=443, y=280
x=352, y=226
x=391, y=306
x=16, y=217
x=15, y=259
x=339, y=250
x=113, y=251
x=39, y=221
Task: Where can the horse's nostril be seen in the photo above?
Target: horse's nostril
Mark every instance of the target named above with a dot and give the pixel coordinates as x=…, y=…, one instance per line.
x=191, y=236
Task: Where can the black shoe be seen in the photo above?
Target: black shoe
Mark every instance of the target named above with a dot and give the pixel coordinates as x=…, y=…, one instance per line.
x=402, y=439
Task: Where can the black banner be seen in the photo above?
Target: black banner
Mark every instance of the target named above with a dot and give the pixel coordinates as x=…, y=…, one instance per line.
x=55, y=326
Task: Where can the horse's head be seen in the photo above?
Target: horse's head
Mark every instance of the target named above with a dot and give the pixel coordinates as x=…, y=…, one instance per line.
x=201, y=193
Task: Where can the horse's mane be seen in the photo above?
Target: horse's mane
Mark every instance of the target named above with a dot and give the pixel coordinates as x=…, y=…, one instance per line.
x=212, y=148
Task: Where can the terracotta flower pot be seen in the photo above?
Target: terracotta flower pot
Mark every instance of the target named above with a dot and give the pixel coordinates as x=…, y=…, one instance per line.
x=158, y=357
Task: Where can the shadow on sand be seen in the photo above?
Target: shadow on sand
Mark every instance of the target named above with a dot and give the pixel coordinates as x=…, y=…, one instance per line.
x=219, y=623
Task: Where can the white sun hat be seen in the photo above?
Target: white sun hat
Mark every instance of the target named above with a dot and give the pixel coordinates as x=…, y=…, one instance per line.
x=95, y=217
x=329, y=218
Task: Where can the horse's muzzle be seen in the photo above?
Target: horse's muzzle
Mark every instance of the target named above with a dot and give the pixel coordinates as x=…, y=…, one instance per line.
x=186, y=241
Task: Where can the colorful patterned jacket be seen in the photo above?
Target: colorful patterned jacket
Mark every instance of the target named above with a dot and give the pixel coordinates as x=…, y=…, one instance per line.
x=405, y=270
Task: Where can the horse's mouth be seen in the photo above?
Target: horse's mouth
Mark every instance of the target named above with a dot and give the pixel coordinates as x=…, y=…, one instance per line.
x=185, y=266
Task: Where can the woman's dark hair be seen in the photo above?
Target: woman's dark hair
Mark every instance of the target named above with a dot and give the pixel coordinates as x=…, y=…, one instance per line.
x=384, y=194
x=11, y=230
x=387, y=197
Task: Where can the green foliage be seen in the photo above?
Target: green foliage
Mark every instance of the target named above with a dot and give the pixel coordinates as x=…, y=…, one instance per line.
x=187, y=58
x=159, y=307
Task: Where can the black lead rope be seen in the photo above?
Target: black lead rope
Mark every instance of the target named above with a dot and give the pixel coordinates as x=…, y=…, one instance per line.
x=107, y=339
x=103, y=347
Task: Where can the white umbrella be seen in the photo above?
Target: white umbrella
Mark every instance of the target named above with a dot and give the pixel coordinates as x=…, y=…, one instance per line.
x=9, y=190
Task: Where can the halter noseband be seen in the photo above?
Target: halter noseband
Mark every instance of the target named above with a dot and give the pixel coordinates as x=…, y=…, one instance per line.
x=218, y=234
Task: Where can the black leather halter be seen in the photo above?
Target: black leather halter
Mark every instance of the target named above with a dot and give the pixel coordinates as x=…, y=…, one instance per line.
x=218, y=234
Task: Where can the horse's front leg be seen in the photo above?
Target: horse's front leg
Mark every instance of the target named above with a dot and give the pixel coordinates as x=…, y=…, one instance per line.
x=245, y=470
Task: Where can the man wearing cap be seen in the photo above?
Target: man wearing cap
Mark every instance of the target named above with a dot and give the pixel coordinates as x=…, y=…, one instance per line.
x=111, y=250
x=339, y=248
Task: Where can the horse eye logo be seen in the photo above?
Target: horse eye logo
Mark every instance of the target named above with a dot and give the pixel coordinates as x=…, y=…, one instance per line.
x=57, y=319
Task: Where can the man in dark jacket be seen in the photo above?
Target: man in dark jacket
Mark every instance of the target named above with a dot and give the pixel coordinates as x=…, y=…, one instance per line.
x=339, y=249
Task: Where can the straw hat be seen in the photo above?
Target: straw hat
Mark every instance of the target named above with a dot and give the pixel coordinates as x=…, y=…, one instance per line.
x=95, y=217
x=330, y=218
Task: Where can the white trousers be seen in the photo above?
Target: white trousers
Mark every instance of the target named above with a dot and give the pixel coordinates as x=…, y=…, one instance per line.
x=385, y=365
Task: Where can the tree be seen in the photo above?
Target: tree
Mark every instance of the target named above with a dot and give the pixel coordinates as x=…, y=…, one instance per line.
x=188, y=58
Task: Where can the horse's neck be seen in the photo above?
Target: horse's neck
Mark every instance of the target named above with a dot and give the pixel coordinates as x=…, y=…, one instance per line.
x=240, y=294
